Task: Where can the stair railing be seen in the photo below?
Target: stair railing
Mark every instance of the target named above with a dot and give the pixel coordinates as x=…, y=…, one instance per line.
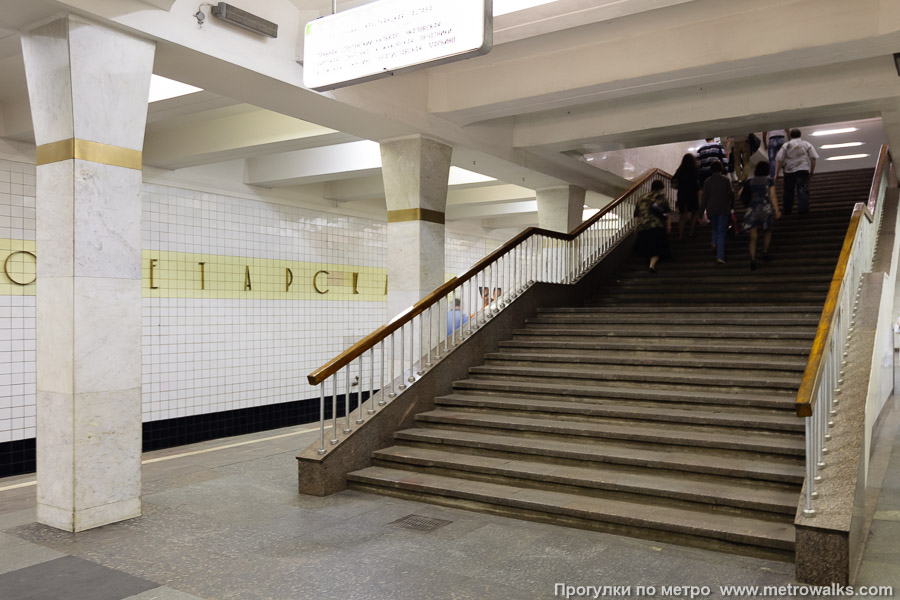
x=397, y=354
x=819, y=394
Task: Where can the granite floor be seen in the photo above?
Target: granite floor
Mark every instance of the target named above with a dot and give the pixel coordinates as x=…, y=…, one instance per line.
x=223, y=520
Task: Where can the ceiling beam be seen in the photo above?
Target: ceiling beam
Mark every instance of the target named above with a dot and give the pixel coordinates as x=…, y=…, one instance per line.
x=230, y=133
x=825, y=94
x=650, y=52
x=340, y=161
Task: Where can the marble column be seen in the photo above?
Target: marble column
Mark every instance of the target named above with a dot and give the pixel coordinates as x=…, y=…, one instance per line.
x=415, y=171
x=88, y=88
x=560, y=208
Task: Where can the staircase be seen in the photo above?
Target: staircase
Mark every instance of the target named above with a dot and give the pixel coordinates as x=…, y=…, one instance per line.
x=662, y=408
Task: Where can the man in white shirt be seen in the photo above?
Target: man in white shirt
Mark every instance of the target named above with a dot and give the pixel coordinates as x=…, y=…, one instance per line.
x=798, y=157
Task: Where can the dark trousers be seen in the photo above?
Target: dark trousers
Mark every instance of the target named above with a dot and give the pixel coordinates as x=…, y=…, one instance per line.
x=800, y=179
x=719, y=230
x=775, y=144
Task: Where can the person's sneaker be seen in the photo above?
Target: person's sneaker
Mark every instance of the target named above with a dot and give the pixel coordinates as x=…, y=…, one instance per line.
x=766, y=257
x=752, y=265
x=652, y=270
x=721, y=261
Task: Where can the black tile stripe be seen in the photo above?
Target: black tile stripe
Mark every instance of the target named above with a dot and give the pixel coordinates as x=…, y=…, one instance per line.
x=18, y=457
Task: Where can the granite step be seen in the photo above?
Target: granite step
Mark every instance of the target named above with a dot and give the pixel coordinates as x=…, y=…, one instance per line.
x=727, y=492
x=653, y=344
x=782, y=420
x=552, y=505
x=550, y=353
x=682, y=459
x=728, y=379
x=674, y=330
x=586, y=392
x=765, y=319
x=701, y=436
x=734, y=308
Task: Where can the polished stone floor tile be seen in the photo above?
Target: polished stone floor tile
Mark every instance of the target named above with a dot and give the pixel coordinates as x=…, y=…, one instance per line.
x=71, y=578
x=17, y=554
x=163, y=593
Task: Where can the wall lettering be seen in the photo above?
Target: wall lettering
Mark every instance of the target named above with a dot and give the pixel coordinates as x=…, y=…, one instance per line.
x=202, y=275
x=6, y=267
x=247, y=285
x=316, y=285
x=153, y=262
x=288, y=279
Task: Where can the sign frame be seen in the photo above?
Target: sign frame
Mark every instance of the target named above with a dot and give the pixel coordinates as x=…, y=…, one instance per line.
x=487, y=45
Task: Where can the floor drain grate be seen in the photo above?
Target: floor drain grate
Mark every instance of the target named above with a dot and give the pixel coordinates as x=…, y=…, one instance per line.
x=420, y=523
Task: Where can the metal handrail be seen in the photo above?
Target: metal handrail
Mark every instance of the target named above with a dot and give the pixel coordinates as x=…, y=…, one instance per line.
x=534, y=255
x=366, y=343
x=818, y=394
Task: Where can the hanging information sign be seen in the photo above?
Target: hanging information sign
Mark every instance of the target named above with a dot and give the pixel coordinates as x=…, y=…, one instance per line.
x=392, y=36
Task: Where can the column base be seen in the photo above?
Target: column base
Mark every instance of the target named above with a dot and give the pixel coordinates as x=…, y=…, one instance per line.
x=88, y=518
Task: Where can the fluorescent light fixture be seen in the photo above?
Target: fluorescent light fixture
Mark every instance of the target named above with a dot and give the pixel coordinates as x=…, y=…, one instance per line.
x=835, y=131
x=590, y=159
x=462, y=177
x=503, y=7
x=163, y=89
x=844, y=145
x=847, y=157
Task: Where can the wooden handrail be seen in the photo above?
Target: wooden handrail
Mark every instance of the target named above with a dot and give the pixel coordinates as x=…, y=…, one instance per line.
x=884, y=159
x=353, y=352
x=805, y=402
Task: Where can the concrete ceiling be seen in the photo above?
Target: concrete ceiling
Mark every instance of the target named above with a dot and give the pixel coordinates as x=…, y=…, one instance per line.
x=565, y=79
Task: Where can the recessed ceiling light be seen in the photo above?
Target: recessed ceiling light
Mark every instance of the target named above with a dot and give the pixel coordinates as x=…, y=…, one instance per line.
x=162, y=88
x=503, y=7
x=845, y=145
x=461, y=177
x=847, y=157
x=589, y=158
x=834, y=131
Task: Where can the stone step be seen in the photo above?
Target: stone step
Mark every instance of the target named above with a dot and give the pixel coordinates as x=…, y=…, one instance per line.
x=672, y=330
x=654, y=394
x=552, y=505
x=729, y=379
x=742, y=362
x=653, y=344
x=782, y=420
x=700, y=436
x=688, y=310
x=704, y=318
x=729, y=492
x=681, y=459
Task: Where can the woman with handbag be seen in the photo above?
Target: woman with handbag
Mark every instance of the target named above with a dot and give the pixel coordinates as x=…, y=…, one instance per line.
x=653, y=223
x=687, y=181
x=758, y=195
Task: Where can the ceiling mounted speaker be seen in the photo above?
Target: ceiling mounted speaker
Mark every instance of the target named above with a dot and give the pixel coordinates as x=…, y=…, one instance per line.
x=244, y=20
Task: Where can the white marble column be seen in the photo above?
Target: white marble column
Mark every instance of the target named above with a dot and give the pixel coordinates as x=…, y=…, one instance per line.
x=415, y=171
x=88, y=89
x=560, y=208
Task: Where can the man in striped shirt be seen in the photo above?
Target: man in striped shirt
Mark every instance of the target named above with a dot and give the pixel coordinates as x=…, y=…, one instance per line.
x=707, y=155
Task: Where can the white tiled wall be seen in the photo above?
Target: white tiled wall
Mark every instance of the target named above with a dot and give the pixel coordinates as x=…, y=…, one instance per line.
x=17, y=341
x=208, y=355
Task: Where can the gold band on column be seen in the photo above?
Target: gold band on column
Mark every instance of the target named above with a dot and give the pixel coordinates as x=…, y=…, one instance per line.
x=415, y=214
x=90, y=151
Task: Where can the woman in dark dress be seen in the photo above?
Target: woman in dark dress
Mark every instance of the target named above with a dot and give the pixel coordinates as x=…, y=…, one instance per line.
x=758, y=194
x=687, y=181
x=653, y=223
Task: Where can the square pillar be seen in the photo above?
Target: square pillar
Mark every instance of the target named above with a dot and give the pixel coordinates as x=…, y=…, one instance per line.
x=88, y=87
x=560, y=208
x=415, y=171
